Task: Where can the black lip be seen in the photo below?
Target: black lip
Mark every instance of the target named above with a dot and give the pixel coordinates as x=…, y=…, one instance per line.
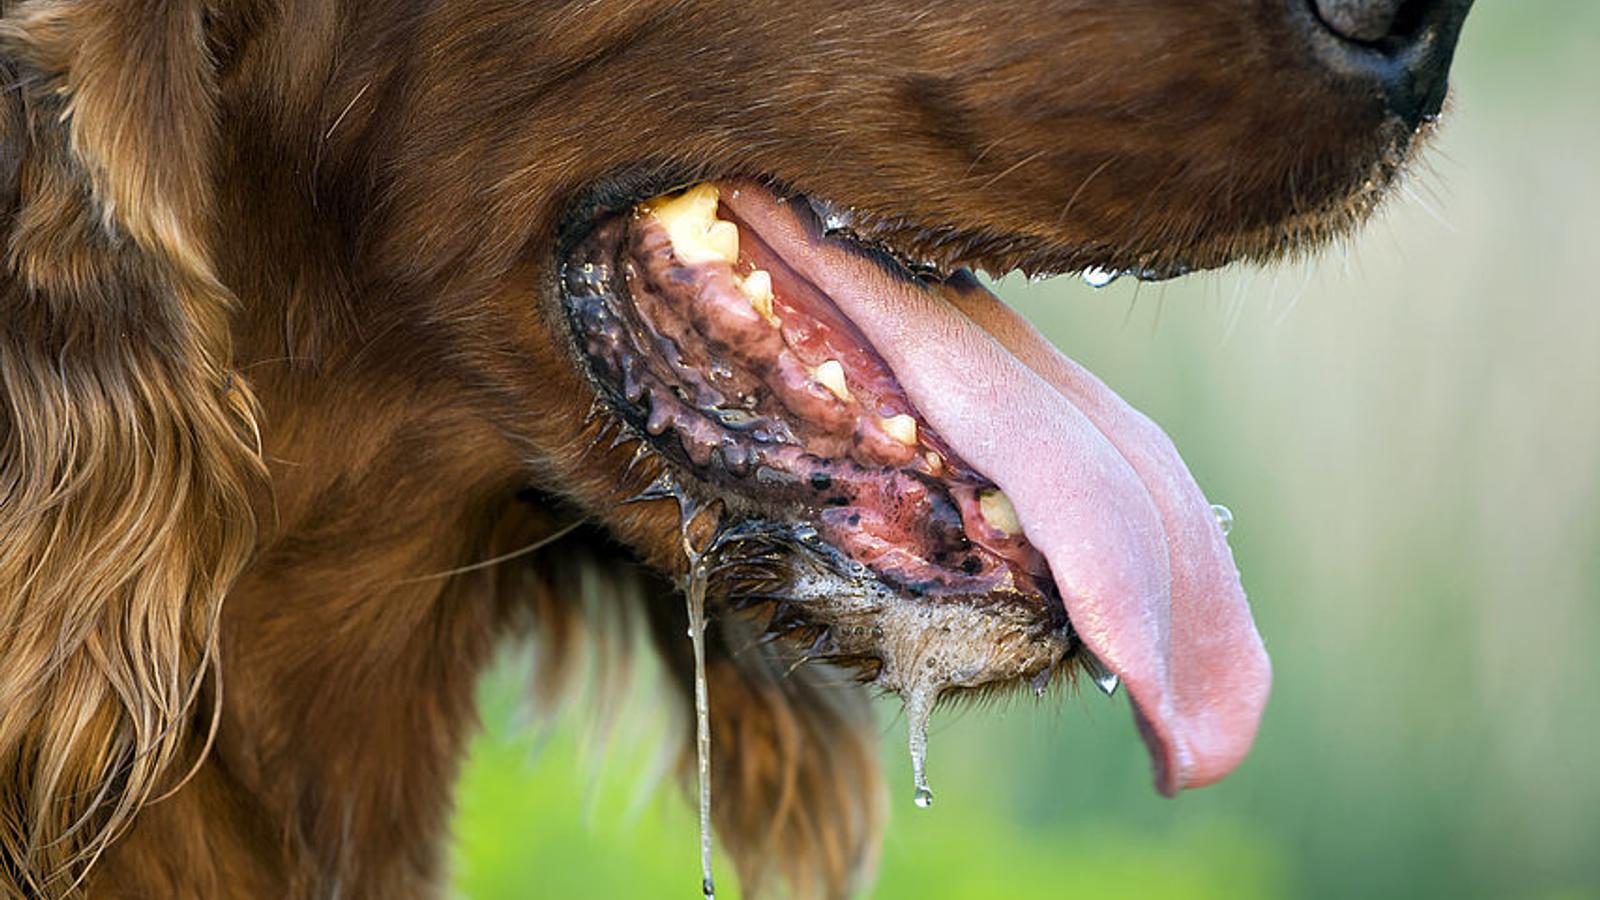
x=629, y=187
x=828, y=221
x=617, y=191
x=890, y=242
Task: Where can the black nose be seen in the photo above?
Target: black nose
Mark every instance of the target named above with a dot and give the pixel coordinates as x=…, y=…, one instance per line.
x=1360, y=20
x=1400, y=48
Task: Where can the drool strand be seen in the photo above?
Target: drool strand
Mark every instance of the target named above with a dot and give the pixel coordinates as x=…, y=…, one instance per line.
x=695, y=597
x=919, y=703
x=695, y=594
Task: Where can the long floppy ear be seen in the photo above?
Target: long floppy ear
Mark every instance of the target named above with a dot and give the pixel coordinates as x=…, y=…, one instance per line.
x=127, y=449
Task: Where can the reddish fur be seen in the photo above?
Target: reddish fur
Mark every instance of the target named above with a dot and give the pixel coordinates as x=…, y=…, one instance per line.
x=349, y=213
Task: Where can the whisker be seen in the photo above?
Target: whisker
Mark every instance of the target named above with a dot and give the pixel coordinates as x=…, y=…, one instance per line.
x=496, y=560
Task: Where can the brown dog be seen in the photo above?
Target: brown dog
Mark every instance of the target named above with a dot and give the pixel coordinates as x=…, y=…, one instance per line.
x=312, y=309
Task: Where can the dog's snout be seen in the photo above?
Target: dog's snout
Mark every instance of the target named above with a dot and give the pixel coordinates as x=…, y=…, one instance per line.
x=1360, y=20
x=1400, y=48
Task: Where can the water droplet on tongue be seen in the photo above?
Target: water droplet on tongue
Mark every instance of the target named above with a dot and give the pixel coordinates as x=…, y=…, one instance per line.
x=1224, y=518
x=1097, y=277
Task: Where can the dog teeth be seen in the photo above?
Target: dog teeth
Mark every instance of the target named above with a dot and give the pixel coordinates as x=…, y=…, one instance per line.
x=757, y=288
x=998, y=511
x=690, y=219
x=723, y=241
x=831, y=376
x=935, y=462
x=902, y=428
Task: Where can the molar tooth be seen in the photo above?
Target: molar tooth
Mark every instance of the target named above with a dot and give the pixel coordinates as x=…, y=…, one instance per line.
x=831, y=376
x=998, y=511
x=902, y=428
x=757, y=288
x=691, y=222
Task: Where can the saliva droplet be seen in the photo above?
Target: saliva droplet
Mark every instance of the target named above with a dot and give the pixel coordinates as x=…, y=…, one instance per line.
x=589, y=278
x=919, y=708
x=1103, y=678
x=1097, y=277
x=1041, y=681
x=1224, y=517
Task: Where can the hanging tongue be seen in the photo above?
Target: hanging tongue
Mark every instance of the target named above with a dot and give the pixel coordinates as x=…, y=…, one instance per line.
x=1141, y=563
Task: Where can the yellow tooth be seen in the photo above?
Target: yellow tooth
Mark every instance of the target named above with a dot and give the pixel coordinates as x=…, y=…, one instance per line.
x=997, y=511
x=757, y=288
x=691, y=222
x=722, y=240
x=902, y=428
x=831, y=376
x=935, y=462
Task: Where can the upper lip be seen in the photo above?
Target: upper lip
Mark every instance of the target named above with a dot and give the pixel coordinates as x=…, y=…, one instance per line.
x=915, y=248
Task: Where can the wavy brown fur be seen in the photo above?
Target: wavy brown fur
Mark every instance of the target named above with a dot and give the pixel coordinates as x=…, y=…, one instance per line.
x=126, y=450
x=269, y=615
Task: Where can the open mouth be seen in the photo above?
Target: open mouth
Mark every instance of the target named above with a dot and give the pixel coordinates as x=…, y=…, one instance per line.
x=920, y=484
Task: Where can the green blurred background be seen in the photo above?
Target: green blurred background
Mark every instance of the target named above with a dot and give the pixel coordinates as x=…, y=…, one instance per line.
x=1408, y=433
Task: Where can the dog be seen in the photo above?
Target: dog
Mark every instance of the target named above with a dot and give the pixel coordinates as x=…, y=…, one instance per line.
x=343, y=341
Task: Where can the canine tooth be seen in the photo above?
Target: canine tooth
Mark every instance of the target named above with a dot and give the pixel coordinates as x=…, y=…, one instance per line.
x=831, y=376
x=902, y=428
x=935, y=462
x=757, y=288
x=998, y=511
x=691, y=222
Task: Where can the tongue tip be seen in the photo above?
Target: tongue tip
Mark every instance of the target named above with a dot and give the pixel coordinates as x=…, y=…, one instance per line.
x=1165, y=768
x=1190, y=753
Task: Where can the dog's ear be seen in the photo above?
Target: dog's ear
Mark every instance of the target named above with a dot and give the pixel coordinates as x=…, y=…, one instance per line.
x=128, y=455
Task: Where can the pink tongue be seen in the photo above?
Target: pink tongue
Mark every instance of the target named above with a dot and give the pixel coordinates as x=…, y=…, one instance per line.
x=1147, y=577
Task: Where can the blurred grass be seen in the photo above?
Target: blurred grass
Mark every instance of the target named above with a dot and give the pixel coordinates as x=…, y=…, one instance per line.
x=1408, y=432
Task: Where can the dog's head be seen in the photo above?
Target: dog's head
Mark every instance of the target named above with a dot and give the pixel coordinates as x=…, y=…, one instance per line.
x=709, y=256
